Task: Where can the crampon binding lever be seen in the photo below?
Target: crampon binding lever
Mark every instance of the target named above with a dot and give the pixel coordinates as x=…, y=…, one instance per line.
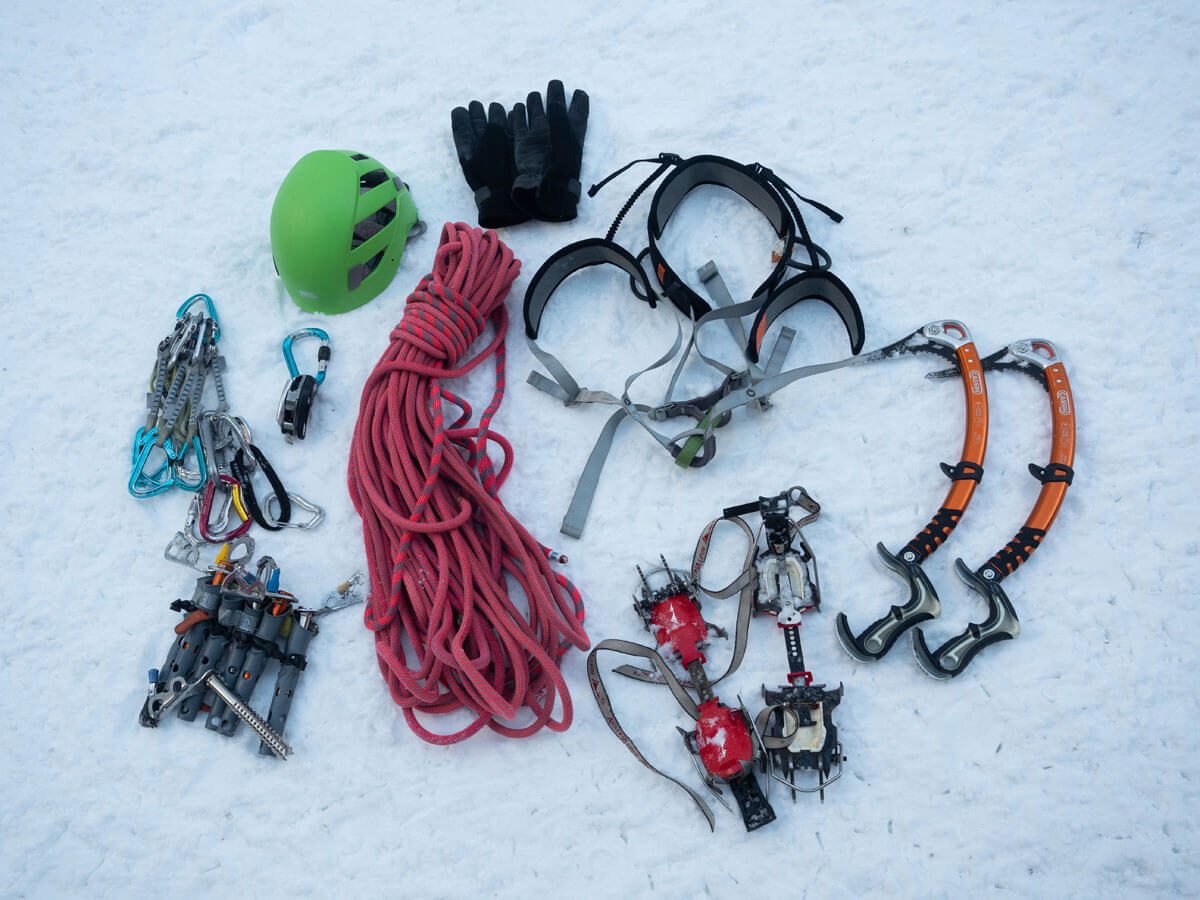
x=1038, y=359
x=950, y=340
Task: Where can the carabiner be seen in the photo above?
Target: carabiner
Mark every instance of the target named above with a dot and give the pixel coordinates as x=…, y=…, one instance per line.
x=272, y=508
x=230, y=483
x=208, y=303
x=295, y=404
x=185, y=547
x=323, y=353
x=143, y=483
x=179, y=471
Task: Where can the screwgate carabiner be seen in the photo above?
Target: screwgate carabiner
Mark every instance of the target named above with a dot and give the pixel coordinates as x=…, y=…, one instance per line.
x=298, y=397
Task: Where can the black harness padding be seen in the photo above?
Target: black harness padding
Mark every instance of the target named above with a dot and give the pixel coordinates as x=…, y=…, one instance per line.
x=570, y=259
x=810, y=286
x=777, y=201
x=744, y=181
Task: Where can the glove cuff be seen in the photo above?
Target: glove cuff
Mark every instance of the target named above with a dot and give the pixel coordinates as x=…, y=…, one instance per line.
x=496, y=210
x=557, y=198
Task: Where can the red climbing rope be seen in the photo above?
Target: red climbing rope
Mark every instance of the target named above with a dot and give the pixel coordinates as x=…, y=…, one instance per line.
x=443, y=551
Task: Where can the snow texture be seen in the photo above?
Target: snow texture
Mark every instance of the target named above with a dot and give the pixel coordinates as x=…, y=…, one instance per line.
x=1028, y=168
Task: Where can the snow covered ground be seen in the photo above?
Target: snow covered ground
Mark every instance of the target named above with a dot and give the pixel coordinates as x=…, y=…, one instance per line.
x=1027, y=168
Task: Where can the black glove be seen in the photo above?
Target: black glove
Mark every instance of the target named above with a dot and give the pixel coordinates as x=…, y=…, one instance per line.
x=485, y=152
x=548, y=146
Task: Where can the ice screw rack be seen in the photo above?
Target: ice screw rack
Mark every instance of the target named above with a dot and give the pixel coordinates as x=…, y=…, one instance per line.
x=234, y=624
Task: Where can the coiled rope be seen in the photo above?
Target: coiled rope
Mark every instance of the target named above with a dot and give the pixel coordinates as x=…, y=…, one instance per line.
x=442, y=550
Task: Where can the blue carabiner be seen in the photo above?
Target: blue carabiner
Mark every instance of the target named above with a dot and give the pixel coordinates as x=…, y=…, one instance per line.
x=143, y=484
x=208, y=303
x=323, y=353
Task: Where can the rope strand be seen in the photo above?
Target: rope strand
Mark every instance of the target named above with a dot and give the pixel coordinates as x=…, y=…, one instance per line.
x=441, y=549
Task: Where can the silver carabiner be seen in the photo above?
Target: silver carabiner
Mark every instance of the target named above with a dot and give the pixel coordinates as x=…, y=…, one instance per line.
x=272, y=507
x=184, y=548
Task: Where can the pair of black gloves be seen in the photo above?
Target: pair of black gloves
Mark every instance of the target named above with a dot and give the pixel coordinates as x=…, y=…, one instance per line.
x=525, y=164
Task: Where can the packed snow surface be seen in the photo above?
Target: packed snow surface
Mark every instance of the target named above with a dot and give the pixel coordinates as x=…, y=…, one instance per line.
x=1027, y=168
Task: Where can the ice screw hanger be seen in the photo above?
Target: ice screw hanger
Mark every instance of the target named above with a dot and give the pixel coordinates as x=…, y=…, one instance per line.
x=295, y=405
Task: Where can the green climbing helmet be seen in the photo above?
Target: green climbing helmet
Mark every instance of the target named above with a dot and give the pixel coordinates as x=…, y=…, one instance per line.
x=338, y=228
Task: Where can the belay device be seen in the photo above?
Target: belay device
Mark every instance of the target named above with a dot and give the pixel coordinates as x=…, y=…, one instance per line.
x=296, y=402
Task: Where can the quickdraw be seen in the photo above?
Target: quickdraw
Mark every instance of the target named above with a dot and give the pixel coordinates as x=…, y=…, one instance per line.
x=227, y=442
x=226, y=459
x=752, y=385
x=950, y=340
x=296, y=402
x=186, y=360
x=218, y=432
x=1038, y=359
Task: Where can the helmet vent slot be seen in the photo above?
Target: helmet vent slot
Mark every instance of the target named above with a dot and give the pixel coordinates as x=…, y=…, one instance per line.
x=359, y=156
x=371, y=179
x=373, y=224
x=358, y=274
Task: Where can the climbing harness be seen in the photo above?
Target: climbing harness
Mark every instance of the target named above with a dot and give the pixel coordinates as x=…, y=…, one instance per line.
x=951, y=341
x=234, y=624
x=296, y=402
x=794, y=733
x=752, y=385
x=1039, y=359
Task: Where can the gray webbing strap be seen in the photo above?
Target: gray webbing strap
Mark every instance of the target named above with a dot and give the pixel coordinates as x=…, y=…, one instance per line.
x=766, y=387
x=719, y=292
x=606, y=710
x=754, y=387
x=585, y=490
x=780, y=351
